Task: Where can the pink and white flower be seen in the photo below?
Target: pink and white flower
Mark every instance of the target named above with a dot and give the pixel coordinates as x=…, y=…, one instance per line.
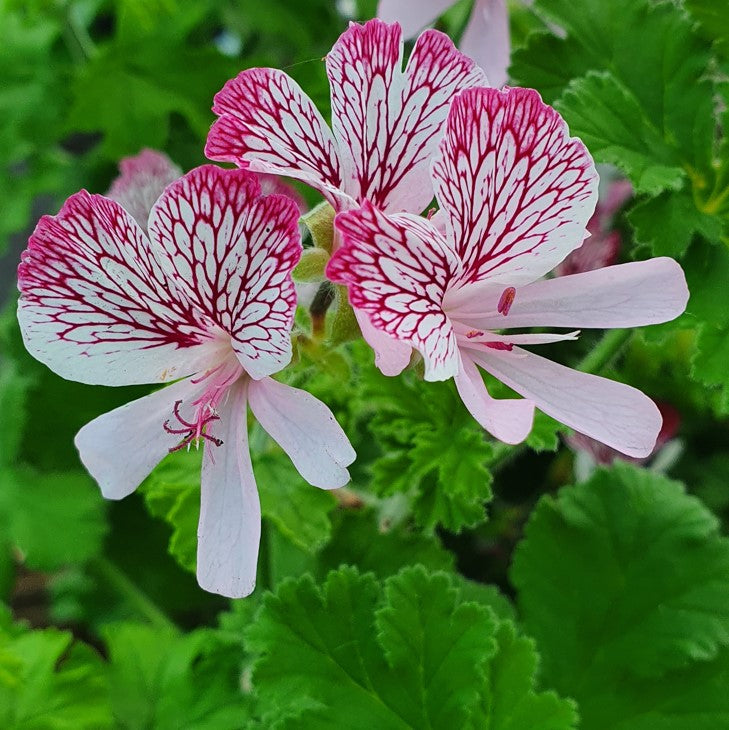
x=516, y=193
x=206, y=299
x=386, y=124
x=485, y=38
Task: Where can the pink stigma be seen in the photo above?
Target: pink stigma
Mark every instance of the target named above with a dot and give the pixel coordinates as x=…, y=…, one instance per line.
x=192, y=431
x=506, y=300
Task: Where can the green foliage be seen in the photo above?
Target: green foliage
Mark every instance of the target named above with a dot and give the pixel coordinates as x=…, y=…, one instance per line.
x=624, y=583
x=50, y=682
x=162, y=680
x=404, y=654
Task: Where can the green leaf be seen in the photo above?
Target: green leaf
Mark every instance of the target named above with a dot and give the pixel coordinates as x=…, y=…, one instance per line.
x=13, y=390
x=610, y=121
x=48, y=682
x=713, y=15
x=511, y=701
x=622, y=580
x=168, y=681
x=410, y=657
x=668, y=222
x=301, y=513
x=53, y=519
x=709, y=364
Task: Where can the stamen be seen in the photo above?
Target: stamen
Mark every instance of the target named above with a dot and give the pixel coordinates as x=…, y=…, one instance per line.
x=192, y=431
x=474, y=333
x=506, y=300
x=500, y=345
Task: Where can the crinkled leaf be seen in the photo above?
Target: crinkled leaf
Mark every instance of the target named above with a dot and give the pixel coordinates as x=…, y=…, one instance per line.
x=621, y=579
x=710, y=364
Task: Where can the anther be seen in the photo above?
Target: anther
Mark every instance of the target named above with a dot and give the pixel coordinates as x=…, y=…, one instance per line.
x=500, y=345
x=506, y=300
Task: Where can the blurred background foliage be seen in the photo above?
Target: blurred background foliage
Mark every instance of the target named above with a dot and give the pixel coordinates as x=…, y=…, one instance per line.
x=622, y=580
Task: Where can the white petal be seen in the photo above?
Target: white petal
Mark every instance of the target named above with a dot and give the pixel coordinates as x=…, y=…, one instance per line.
x=305, y=429
x=229, y=531
x=612, y=413
x=486, y=39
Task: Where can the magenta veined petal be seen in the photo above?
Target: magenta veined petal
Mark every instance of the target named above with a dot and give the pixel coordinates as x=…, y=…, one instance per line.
x=397, y=269
x=387, y=121
x=516, y=189
x=305, y=429
x=120, y=448
x=231, y=252
x=267, y=124
x=141, y=181
x=612, y=413
x=229, y=530
x=509, y=420
x=626, y=295
x=95, y=305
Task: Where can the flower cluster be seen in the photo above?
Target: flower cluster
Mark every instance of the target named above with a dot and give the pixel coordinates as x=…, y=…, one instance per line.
x=188, y=279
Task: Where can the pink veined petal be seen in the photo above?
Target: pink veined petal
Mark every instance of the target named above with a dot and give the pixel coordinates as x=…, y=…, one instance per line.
x=613, y=413
x=232, y=251
x=391, y=355
x=96, y=306
x=627, y=295
x=267, y=124
x=487, y=41
x=120, y=448
x=517, y=190
x=397, y=269
x=413, y=15
x=142, y=180
x=305, y=429
x=229, y=530
x=387, y=121
x=509, y=420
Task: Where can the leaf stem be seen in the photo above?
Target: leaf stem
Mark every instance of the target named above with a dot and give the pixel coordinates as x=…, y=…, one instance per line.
x=122, y=585
x=605, y=351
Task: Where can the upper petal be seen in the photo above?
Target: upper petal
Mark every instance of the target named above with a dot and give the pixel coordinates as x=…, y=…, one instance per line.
x=232, y=251
x=613, y=413
x=267, y=124
x=509, y=420
x=487, y=41
x=229, y=530
x=142, y=180
x=627, y=295
x=397, y=268
x=305, y=429
x=96, y=306
x=517, y=190
x=413, y=15
x=388, y=121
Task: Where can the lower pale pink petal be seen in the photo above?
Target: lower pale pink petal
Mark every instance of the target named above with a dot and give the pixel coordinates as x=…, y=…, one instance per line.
x=397, y=268
x=627, y=295
x=142, y=180
x=267, y=124
x=305, y=429
x=391, y=355
x=96, y=306
x=486, y=39
x=517, y=189
x=229, y=531
x=508, y=420
x=413, y=15
x=120, y=448
x=613, y=413
x=232, y=252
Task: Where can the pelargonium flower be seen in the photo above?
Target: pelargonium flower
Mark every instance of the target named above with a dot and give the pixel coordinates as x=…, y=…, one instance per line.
x=485, y=38
x=516, y=193
x=602, y=248
x=205, y=299
x=386, y=124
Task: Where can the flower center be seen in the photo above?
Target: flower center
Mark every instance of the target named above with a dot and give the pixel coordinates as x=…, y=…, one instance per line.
x=196, y=428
